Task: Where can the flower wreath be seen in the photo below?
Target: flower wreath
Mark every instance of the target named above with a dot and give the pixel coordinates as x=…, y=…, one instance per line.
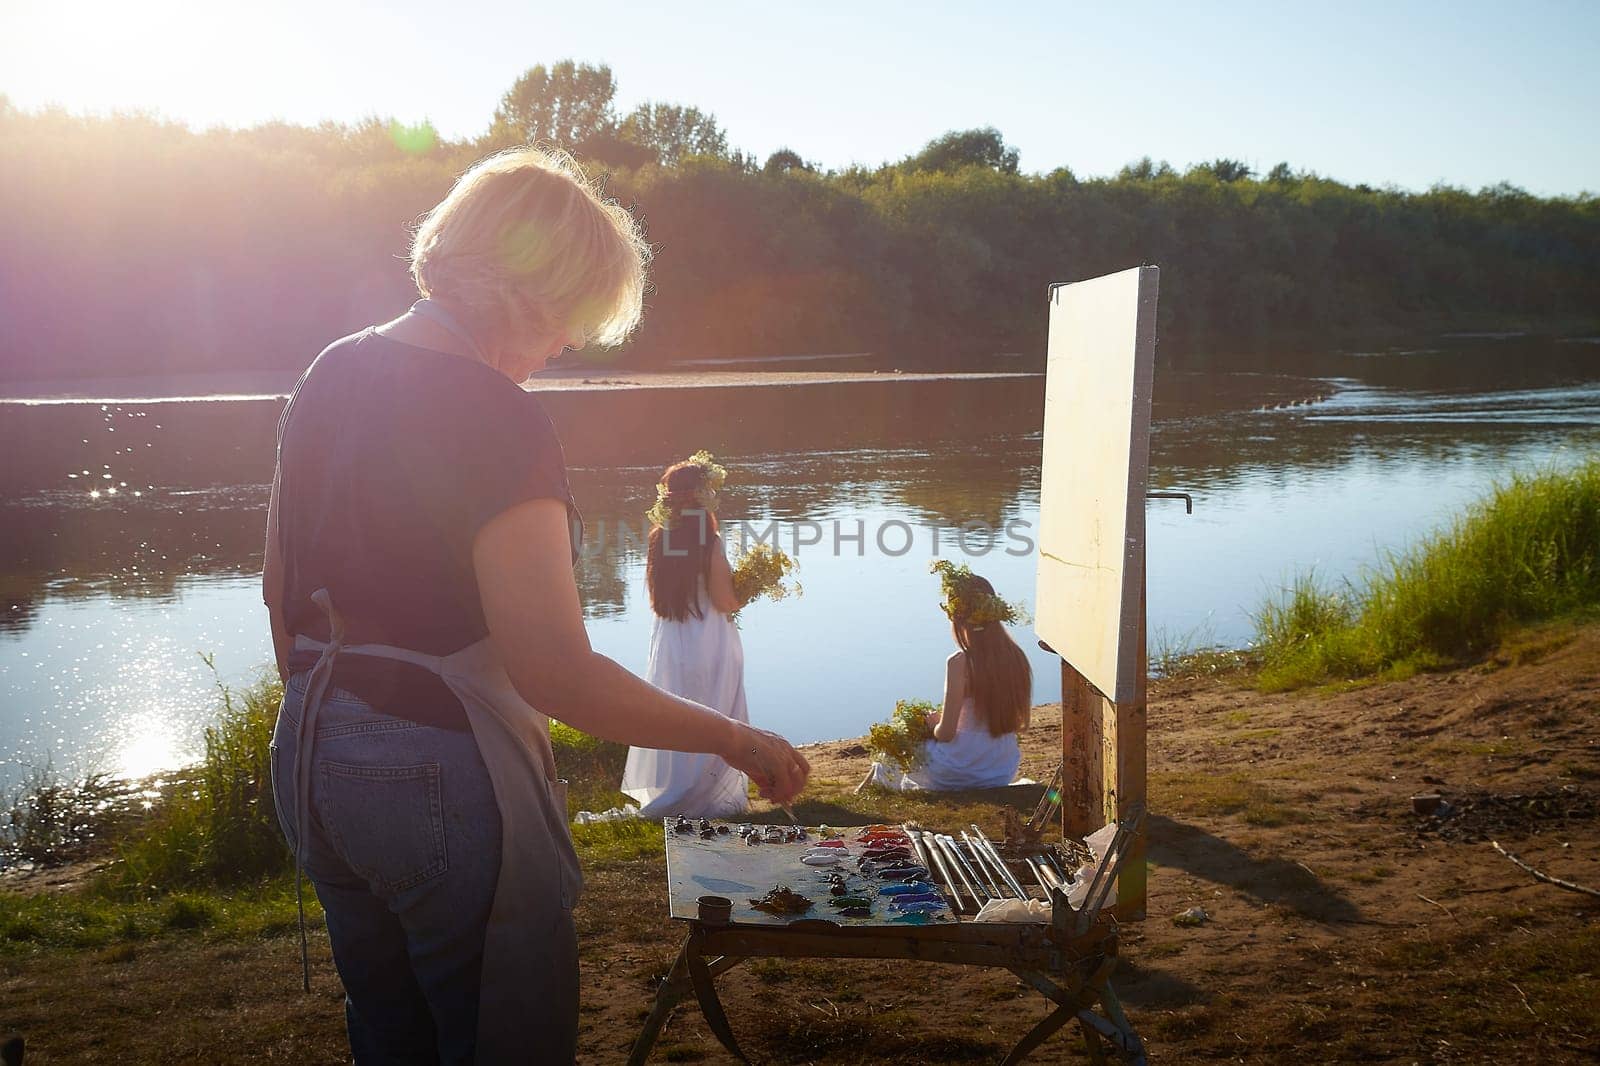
x=660, y=516
x=964, y=602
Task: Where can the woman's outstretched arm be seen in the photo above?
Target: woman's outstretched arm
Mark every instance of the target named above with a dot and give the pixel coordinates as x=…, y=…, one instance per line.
x=522, y=559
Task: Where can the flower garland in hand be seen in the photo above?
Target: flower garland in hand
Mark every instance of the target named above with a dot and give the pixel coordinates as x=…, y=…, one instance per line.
x=900, y=740
x=661, y=516
x=761, y=571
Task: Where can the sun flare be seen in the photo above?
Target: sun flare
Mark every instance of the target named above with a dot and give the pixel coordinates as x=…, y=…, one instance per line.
x=170, y=56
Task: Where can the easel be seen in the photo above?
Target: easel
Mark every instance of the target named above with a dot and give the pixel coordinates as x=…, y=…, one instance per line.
x=1091, y=582
x=1103, y=750
x=1068, y=961
x=1091, y=604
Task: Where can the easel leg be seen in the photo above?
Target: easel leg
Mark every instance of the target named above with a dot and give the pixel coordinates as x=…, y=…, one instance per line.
x=1092, y=1043
x=1129, y=726
x=706, y=992
x=1040, y=1033
x=673, y=988
x=1130, y=1045
x=1083, y=713
x=1069, y=1005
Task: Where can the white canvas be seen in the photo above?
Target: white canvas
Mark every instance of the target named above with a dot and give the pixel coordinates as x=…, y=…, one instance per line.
x=1096, y=459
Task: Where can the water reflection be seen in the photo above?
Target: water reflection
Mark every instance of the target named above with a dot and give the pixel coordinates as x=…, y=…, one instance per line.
x=105, y=600
x=148, y=742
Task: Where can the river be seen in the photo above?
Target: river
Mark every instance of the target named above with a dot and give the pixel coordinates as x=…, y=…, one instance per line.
x=131, y=521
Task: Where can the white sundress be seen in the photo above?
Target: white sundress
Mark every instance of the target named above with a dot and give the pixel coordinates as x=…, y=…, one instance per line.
x=700, y=659
x=972, y=759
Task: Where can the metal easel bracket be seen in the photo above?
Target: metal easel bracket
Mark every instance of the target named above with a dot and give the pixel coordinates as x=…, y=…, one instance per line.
x=1188, y=500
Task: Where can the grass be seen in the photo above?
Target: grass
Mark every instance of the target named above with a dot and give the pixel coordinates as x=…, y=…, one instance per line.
x=1528, y=552
x=621, y=841
x=221, y=829
x=1193, y=655
x=1489, y=974
x=92, y=920
x=210, y=857
x=1226, y=795
x=49, y=822
x=592, y=767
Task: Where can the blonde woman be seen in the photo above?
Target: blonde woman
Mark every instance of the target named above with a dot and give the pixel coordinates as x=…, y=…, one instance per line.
x=419, y=580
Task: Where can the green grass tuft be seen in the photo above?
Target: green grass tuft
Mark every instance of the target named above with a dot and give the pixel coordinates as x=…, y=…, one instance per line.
x=221, y=829
x=603, y=842
x=55, y=920
x=591, y=766
x=1528, y=552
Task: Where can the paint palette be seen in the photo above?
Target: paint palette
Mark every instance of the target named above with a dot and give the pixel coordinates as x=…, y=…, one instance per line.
x=854, y=876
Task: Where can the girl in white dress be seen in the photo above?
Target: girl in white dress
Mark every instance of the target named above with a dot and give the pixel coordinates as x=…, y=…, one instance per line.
x=694, y=645
x=988, y=689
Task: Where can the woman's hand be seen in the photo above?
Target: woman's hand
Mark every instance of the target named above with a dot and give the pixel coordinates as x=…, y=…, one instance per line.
x=778, y=770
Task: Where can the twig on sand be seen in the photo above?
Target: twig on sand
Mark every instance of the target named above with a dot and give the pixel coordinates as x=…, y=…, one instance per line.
x=1441, y=906
x=1546, y=878
x=829, y=1002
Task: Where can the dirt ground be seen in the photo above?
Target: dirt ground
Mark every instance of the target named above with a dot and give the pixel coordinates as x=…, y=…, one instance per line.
x=1343, y=927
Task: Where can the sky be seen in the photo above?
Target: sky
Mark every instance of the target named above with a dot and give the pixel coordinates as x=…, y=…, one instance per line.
x=1388, y=93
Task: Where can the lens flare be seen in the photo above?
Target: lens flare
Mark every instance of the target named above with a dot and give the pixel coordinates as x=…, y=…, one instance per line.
x=413, y=140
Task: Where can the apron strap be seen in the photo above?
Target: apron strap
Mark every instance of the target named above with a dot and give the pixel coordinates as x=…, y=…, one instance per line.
x=305, y=740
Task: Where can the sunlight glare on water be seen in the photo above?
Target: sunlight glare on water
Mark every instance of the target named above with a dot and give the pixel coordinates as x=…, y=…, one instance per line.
x=149, y=743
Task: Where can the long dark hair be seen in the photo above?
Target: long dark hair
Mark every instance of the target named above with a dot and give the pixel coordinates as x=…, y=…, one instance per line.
x=679, y=556
x=999, y=677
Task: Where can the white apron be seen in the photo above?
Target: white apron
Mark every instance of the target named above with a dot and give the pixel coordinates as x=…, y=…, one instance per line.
x=529, y=986
x=528, y=990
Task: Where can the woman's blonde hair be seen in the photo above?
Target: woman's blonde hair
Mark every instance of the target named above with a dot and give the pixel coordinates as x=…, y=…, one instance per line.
x=525, y=245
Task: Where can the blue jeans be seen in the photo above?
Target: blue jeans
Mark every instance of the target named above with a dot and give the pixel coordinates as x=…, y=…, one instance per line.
x=404, y=852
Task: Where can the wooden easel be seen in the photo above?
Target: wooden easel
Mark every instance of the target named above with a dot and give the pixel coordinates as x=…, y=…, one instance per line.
x=1103, y=751
x=1092, y=582
x=1092, y=593
x=1068, y=961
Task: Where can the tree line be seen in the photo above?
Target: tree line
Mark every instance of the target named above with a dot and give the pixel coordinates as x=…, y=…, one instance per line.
x=135, y=245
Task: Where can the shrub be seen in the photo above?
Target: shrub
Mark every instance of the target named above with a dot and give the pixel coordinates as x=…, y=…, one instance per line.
x=49, y=822
x=1527, y=552
x=223, y=828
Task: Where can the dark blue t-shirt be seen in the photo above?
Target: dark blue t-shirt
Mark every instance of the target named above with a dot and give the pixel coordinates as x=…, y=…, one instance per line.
x=391, y=458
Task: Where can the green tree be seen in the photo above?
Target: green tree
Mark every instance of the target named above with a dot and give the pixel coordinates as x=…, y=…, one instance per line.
x=1143, y=169
x=672, y=132
x=567, y=104
x=784, y=160
x=1280, y=174
x=613, y=150
x=1226, y=170
x=965, y=148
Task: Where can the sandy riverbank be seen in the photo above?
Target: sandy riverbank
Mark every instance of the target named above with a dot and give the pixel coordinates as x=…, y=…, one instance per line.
x=1343, y=928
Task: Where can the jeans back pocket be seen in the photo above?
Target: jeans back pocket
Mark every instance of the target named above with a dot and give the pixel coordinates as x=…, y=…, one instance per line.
x=386, y=822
